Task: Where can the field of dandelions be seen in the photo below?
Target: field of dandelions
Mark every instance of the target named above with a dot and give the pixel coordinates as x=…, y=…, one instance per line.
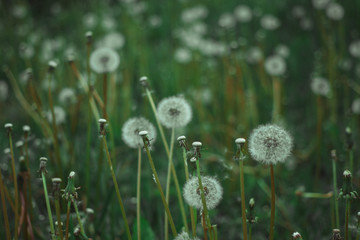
x=180, y=120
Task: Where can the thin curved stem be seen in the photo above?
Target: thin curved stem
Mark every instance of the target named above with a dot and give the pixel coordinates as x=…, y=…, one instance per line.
x=193, y=224
x=347, y=212
x=58, y=217
x=15, y=187
x=242, y=190
x=117, y=189
x=272, y=216
x=52, y=229
x=67, y=220
x=5, y=214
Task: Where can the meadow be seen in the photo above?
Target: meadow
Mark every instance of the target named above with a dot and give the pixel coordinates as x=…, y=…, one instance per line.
x=184, y=120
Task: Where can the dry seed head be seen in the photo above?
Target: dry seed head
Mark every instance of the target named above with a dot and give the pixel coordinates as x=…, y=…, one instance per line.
x=185, y=236
x=196, y=144
x=52, y=65
x=181, y=138
x=8, y=126
x=212, y=190
x=144, y=82
x=270, y=144
x=240, y=140
x=131, y=129
x=296, y=235
x=56, y=180
x=174, y=112
x=89, y=37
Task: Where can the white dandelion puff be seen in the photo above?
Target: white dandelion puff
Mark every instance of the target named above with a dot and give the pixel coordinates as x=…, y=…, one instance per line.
x=104, y=60
x=282, y=50
x=243, y=13
x=182, y=55
x=355, y=106
x=67, y=96
x=320, y=4
x=212, y=190
x=320, y=86
x=335, y=11
x=113, y=40
x=254, y=55
x=227, y=20
x=270, y=144
x=185, y=236
x=60, y=115
x=354, y=49
x=131, y=129
x=174, y=112
x=4, y=91
x=269, y=22
x=275, y=65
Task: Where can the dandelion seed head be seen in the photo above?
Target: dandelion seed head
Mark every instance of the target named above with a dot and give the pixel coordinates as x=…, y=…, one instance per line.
x=8, y=125
x=320, y=4
x=270, y=144
x=133, y=127
x=174, y=112
x=26, y=128
x=335, y=11
x=355, y=106
x=298, y=12
x=270, y=22
x=185, y=236
x=60, y=115
x=320, y=86
x=243, y=13
x=275, y=65
x=182, y=55
x=193, y=14
x=282, y=50
x=227, y=20
x=354, y=48
x=212, y=190
x=67, y=96
x=254, y=55
x=104, y=60
x=114, y=40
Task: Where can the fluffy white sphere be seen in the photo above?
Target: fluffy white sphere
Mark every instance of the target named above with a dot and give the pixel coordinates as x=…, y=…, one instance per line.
x=174, y=112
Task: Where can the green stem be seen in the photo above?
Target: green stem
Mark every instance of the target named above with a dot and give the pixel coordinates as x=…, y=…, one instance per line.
x=88, y=139
x=78, y=216
x=138, y=195
x=357, y=231
x=347, y=212
x=205, y=209
x=250, y=231
x=173, y=171
x=56, y=137
x=105, y=96
x=15, y=187
x=117, y=189
x=3, y=203
x=335, y=194
x=276, y=99
x=58, y=217
x=272, y=216
x=52, y=230
x=193, y=224
x=28, y=168
x=351, y=159
x=172, y=225
x=242, y=190
x=67, y=220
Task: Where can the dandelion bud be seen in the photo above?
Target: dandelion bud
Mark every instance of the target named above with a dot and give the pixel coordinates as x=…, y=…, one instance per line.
x=56, y=187
x=43, y=161
x=144, y=82
x=89, y=37
x=102, y=122
x=346, y=191
x=193, y=159
x=296, y=235
x=182, y=141
x=336, y=235
x=349, y=140
x=333, y=155
x=251, y=203
x=22, y=162
x=240, y=141
x=8, y=127
x=52, y=65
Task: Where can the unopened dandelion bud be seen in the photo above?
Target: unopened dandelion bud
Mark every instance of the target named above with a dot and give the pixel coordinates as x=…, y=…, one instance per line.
x=56, y=187
x=29, y=74
x=239, y=145
x=336, y=235
x=42, y=168
x=182, y=141
x=8, y=127
x=52, y=65
x=102, y=123
x=346, y=191
x=193, y=159
x=89, y=37
x=251, y=203
x=144, y=82
x=296, y=235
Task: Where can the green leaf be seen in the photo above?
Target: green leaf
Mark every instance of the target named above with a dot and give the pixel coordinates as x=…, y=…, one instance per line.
x=146, y=232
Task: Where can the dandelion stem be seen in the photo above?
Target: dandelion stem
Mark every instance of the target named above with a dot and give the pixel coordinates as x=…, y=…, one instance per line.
x=272, y=216
x=67, y=220
x=357, y=230
x=78, y=216
x=88, y=138
x=117, y=189
x=15, y=187
x=5, y=214
x=58, y=217
x=193, y=224
x=28, y=169
x=105, y=96
x=55, y=132
x=242, y=190
x=172, y=225
x=347, y=212
x=351, y=159
x=335, y=193
x=250, y=231
x=276, y=99
x=138, y=195
x=173, y=171
x=52, y=230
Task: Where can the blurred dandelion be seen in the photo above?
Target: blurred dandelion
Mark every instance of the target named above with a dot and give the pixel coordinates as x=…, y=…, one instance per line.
x=104, y=60
x=131, y=129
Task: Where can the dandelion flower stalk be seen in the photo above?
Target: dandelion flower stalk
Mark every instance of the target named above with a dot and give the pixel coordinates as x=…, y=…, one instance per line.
x=240, y=157
x=8, y=127
x=52, y=66
x=272, y=215
x=138, y=195
x=276, y=99
x=103, y=133
x=146, y=145
x=67, y=220
x=56, y=193
x=3, y=203
x=26, y=130
x=182, y=142
x=43, y=171
x=358, y=226
x=347, y=213
x=336, y=203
